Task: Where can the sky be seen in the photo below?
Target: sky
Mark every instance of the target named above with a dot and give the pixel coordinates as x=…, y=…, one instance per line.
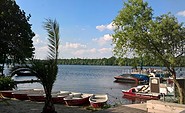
x=85, y=25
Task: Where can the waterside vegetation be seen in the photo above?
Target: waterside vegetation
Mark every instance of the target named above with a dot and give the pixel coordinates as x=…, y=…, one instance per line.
x=113, y=61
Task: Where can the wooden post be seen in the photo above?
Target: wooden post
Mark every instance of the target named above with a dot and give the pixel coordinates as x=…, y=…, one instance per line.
x=154, y=85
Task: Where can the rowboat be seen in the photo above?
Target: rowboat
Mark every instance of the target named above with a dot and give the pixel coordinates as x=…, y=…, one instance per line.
x=98, y=100
x=58, y=98
x=7, y=93
x=23, y=94
x=134, y=92
x=77, y=99
x=20, y=94
x=39, y=96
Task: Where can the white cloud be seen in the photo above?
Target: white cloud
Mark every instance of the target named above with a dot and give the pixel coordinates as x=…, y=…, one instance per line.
x=36, y=39
x=181, y=13
x=103, y=40
x=93, y=53
x=105, y=50
x=75, y=50
x=89, y=52
x=84, y=52
x=106, y=27
x=73, y=45
x=41, y=48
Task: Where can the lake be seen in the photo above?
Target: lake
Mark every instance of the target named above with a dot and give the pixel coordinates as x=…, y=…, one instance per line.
x=88, y=79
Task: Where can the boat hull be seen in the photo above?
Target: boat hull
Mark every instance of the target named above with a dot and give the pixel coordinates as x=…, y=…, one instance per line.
x=58, y=100
x=125, y=79
x=77, y=102
x=98, y=105
x=23, y=94
x=20, y=96
x=7, y=93
x=37, y=98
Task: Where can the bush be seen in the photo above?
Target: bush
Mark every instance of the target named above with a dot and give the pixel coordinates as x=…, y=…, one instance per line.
x=6, y=83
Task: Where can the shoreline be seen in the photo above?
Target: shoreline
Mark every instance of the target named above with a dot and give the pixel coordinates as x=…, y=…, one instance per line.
x=17, y=106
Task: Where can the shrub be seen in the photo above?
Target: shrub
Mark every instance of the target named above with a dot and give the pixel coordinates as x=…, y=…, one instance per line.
x=6, y=83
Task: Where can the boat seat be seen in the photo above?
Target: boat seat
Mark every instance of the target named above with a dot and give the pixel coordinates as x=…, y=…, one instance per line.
x=98, y=100
x=75, y=98
x=76, y=95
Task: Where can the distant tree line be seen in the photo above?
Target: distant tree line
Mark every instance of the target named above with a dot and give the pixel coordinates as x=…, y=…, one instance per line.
x=113, y=61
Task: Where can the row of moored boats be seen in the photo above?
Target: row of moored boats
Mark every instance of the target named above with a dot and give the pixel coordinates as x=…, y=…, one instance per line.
x=59, y=97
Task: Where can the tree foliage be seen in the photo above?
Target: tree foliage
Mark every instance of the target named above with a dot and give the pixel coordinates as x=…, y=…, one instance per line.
x=15, y=32
x=6, y=83
x=161, y=38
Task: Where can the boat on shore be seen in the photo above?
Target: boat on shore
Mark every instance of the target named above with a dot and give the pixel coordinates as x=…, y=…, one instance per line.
x=7, y=93
x=141, y=93
x=77, y=99
x=98, y=100
x=58, y=98
x=23, y=94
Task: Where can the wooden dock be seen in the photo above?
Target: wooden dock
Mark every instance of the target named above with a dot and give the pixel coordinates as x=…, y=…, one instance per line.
x=26, y=81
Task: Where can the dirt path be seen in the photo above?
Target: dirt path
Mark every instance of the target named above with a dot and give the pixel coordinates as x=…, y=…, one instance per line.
x=17, y=106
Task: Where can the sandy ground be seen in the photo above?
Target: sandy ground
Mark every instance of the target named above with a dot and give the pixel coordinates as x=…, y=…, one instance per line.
x=17, y=106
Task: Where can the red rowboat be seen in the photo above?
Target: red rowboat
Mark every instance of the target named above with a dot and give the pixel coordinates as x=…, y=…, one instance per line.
x=7, y=93
x=23, y=94
x=77, y=99
x=98, y=101
x=58, y=98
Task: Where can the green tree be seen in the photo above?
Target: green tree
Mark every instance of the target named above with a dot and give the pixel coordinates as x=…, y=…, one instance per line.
x=161, y=38
x=15, y=32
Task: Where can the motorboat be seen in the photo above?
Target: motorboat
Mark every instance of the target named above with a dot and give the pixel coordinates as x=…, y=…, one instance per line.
x=132, y=78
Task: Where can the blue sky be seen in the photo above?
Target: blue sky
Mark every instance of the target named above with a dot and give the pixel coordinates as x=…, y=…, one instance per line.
x=85, y=25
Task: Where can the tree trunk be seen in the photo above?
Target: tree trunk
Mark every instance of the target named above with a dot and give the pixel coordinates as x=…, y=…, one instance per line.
x=180, y=90
x=2, y=68
x=49, y=106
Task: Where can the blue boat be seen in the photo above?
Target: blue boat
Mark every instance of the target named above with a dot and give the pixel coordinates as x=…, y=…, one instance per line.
x=142, y=78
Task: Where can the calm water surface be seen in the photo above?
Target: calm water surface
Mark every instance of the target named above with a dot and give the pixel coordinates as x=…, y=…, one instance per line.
x=88, y=79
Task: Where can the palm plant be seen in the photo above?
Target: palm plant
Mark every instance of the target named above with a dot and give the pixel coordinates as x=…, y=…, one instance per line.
x=47, y=70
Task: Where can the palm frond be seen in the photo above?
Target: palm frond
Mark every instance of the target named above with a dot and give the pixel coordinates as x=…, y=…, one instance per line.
x=52, y=28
